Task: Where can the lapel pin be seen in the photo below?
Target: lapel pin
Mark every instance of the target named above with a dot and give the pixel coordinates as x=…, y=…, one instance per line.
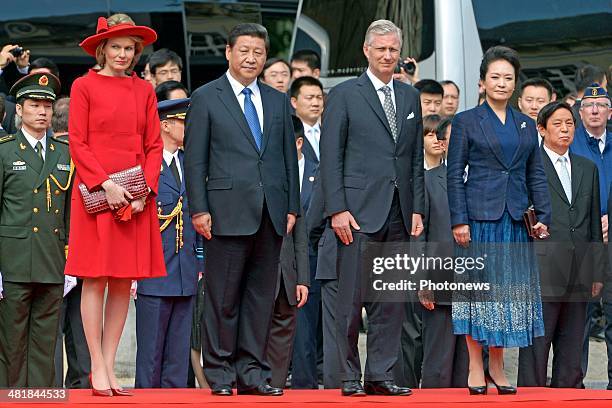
x=22, y=146
x=51, y=146
x=523, y=125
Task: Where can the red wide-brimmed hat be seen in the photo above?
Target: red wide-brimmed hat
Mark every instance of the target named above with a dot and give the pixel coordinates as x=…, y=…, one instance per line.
x=103, y=31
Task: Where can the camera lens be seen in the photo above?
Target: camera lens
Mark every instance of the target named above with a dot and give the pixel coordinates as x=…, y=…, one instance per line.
x=17, y=52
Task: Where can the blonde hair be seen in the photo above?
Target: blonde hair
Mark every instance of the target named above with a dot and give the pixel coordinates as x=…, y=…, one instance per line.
x=112, y=21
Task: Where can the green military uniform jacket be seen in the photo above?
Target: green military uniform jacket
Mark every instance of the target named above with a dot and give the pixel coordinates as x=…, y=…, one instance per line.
x=34, y=210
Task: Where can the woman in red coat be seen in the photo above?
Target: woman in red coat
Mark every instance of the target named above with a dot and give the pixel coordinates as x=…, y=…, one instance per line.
x=113, y=126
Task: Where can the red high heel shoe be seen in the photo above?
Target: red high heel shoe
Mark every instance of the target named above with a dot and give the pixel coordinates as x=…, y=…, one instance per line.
x=120, y=392
x=99, y=393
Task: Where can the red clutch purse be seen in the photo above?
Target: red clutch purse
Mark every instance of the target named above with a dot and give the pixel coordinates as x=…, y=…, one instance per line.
x=132, y=179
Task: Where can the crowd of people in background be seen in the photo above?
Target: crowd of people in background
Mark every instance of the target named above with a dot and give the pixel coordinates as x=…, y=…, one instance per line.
x=261, y=282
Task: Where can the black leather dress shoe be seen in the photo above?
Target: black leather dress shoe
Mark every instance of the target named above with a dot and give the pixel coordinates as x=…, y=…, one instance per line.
x=385, y=388
x=352, y=389
x=223, y=391
x=265, y=390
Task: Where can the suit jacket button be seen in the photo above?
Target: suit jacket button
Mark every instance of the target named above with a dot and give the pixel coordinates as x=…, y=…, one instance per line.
x=56, y=230
x=35, y=191
x=571, y=209
x=57, y=211
x=35, y=210
x=35, y=229
x=57, y=192
x=573, y=229
x=260, y=184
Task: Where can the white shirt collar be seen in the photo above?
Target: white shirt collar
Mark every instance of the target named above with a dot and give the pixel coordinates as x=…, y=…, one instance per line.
x=168, y=157
x=602, y=137
x=32, y=140
x=377, y=82
x=237, y=87
x=554, y=157
x=307, y=127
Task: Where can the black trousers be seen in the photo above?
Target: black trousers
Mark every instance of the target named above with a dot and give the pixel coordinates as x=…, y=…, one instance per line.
x=71, y=335
x=407, y=371
x=563, y=324
x=331, y=361
x=384, y=318
x=281, y=340
x=241, y=272
x=445, y=355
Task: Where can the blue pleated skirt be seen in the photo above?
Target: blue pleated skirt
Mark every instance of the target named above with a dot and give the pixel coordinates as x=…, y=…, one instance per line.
x=509, y=314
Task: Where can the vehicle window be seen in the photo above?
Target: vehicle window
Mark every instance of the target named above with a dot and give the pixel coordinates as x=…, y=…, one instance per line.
x=553, y=37
x=343, y=23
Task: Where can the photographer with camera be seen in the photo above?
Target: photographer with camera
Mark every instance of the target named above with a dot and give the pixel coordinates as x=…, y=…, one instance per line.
x=407, y=71
x=20, y=56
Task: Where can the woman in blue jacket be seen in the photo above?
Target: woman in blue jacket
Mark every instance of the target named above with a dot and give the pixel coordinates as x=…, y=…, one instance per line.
x=499, y=146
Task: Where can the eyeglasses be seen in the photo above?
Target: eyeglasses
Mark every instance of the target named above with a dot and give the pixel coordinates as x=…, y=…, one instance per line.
x=591, y=105
x=166, y=72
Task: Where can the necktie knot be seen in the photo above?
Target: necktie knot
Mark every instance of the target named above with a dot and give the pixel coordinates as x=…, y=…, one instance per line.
x=39, y=150
x=247, y=92
x=562, y=160
x=386, y=90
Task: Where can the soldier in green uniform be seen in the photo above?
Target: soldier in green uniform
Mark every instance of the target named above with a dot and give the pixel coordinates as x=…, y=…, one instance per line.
x=35, y=178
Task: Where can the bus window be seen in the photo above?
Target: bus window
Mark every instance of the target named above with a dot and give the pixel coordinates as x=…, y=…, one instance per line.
x=553, y=37
x=336, y=29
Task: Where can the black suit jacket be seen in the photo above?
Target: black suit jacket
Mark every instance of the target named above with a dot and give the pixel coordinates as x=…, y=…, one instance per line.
x=573, y=257
x=361, y=165
x=294, y=265
x=9, y=118
x=226, y=175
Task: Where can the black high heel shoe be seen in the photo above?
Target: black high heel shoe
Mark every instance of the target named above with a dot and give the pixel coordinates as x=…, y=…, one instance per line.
x=501, y=389
x=480, y=390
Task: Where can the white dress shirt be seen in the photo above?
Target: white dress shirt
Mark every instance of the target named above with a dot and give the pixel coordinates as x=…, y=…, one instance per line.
x=601, y=140
x=32, y=141
x=554, y=158
x=168, y=159
x=301, y=162
x=378, y=84
x=313, y=134
x=237, y=87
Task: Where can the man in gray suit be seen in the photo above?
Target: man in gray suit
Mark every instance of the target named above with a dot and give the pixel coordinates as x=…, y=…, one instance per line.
x=372, y=174
x=572, y=263
x=292, y=285
x=241, y=174
x=445, y=355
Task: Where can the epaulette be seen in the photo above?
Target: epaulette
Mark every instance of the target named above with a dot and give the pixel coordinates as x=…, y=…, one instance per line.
x=57, y=139
x=7, y=138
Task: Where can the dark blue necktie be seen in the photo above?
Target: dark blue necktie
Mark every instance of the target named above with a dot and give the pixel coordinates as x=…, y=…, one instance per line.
x=252, y=119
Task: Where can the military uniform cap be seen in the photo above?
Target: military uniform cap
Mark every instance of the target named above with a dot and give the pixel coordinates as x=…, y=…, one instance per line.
x=43, y=86
x=173, y=108
x=595, y=91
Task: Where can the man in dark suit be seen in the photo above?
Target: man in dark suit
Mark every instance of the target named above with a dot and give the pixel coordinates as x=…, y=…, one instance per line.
x=324, y=247
x=241, y=174
x=372, y=172
x=572, y=263
x=293, y=280
x=307, y=100
x=164, y=306
x=445, y=356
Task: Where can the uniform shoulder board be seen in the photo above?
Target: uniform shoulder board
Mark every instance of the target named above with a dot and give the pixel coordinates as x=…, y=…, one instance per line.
x=63, y=140
x=7, y=138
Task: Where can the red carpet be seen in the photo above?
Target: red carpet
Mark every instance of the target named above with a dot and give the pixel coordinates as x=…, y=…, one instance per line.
x=187, y=398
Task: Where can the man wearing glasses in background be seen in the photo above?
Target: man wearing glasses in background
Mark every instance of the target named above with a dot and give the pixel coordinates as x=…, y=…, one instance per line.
x=594, y=142
x=165, y=65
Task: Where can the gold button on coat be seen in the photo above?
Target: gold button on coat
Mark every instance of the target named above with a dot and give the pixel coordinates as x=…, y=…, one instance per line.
x=35, y=210
x=35, y=229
